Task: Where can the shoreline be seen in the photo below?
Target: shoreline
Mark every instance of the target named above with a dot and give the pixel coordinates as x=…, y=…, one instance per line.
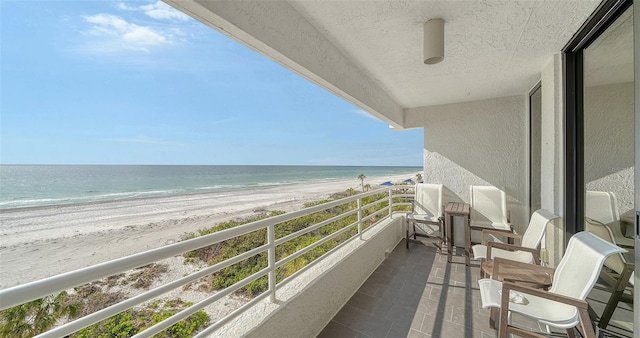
x=40, y=242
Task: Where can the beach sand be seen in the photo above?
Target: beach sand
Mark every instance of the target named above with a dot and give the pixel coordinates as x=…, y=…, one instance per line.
x=36, y=243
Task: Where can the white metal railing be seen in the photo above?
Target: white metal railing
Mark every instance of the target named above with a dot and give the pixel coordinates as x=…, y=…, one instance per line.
x=21, y=294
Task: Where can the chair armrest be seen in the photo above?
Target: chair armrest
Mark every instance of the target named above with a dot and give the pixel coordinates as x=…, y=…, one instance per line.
x=505, y=233
x=508, y=286
x=511, y=247
x=581, y=305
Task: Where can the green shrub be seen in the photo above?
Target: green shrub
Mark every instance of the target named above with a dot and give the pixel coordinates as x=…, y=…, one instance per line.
x=230, y=248
x=35, y=317
x=133, y=321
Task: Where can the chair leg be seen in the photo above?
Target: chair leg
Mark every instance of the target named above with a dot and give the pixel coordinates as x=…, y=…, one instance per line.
x=492, y=317
x=504, y=314
x=618, y=290
x=407, y=234
x=585, y=323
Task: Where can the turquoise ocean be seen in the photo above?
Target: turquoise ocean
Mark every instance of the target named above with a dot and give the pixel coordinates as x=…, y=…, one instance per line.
x=43, y=185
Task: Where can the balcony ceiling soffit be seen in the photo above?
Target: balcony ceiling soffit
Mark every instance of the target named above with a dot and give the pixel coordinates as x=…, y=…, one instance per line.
x=492, y=48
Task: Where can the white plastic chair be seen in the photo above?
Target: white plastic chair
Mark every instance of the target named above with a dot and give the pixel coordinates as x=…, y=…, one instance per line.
x=602, y=206
x=564, y=305
x=622, y=275
x=427, y=213
x=527, y=252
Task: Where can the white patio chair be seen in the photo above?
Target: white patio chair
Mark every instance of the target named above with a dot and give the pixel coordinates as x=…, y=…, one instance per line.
x=488, y=209
x=564, y=305
x=621, y=272
x=602, y=206
x=527, y=252
x=426, y=216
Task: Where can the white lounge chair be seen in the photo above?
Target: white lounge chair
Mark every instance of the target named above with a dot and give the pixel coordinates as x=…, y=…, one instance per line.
x=602, y=206
x=527, y=252
x=564, y=305
x=426, y=216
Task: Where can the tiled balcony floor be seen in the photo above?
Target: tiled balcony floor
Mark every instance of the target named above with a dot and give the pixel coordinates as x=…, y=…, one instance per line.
x=416, y=293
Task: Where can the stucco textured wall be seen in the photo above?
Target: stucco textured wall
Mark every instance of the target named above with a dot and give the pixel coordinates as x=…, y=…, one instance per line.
x=608, y=148
x=478, y=143
x=306, y=304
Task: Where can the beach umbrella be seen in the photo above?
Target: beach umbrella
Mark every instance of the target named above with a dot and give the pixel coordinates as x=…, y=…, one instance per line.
x=408, y=180
x=387, y=183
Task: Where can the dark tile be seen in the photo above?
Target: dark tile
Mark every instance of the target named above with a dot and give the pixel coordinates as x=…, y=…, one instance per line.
x=380, y=278
x=348, y=315
x=372, y=326
x=362, y=301
x=337, y=330
x=371, y=288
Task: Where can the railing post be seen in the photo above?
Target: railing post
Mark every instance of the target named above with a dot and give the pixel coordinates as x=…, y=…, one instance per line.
x=390, y=201
x=360, y=217
x=271, y=255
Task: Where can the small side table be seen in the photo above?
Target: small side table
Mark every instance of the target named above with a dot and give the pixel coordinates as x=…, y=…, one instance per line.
x=531, y=275
x=538, y=277
x=457, y=209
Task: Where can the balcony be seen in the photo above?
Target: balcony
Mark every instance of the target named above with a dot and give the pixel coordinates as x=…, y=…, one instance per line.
x=416, y=293
x=368, y=285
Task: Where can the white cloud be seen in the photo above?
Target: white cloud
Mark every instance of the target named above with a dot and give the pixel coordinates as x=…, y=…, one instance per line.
x=117, y=34
x=158, y=10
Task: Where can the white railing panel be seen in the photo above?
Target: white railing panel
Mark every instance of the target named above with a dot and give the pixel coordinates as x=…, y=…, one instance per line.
x=34, y=290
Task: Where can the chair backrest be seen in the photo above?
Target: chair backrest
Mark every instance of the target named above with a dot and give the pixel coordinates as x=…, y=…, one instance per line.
x=488, y=204
x=580, y=266
x=615, y=262
x=602, y=206
x=428, y=199
x=537, y=226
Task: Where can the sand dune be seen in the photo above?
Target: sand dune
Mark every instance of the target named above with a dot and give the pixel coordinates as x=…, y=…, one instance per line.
x=36, y=243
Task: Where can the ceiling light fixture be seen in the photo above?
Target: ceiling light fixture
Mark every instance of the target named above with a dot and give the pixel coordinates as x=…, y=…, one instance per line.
x=433, y=41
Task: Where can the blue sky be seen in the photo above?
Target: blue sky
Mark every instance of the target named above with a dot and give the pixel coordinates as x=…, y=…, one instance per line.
x=107, y=82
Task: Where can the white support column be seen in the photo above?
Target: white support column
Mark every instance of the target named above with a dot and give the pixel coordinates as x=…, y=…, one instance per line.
x=271, y=238
x=360, y=218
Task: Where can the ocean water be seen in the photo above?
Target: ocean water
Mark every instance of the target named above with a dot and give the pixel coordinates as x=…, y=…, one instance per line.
x=39, y=185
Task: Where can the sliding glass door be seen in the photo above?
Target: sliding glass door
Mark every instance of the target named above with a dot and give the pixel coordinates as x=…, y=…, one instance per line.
x=600, y=147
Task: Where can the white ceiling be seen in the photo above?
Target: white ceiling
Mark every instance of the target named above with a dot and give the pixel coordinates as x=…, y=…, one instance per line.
x=492, y=48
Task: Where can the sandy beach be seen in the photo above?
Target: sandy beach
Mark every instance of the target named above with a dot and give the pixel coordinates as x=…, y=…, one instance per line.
x=36, y=243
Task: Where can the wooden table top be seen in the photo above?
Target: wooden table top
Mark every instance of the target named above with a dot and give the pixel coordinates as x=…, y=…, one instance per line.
x=457, y=208
x=540, y=277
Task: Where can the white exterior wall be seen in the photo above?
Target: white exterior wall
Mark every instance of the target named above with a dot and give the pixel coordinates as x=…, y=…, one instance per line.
x=306, y=304
x=552, y=181
x=477, y=143
x=609, y=152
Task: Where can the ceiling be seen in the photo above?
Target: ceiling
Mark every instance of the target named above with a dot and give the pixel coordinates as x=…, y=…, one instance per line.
x=492, y=48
